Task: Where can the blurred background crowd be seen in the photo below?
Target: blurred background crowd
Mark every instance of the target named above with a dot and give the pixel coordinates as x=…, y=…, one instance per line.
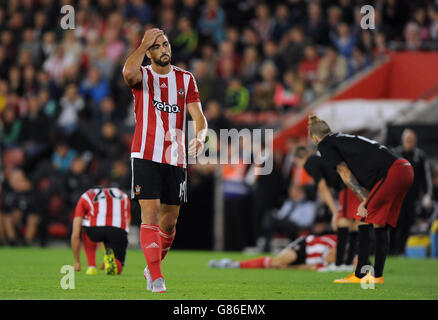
x=66, y=115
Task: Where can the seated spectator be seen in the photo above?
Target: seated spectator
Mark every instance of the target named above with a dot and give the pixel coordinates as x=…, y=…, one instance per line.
x=236, y=97
x=63, y=157
x=331, y=71
x=227, y=53
x=71, y=104
x=250, y=64
x=433, y=16
x=76, y=181
x=263, y=96
x=11, y=127
x=20, y=208
x=94, y=88
x=57, y=63
x=263, y=23
x=308, y=67
x=292, y=47
x=212, y=21
x=344, y=41
x=113, y=44
x=297, y=214
x=288, y=94
x=215, y=117
x=140, y=10
x=110, y=144
x=186, y=40
x=357, y=62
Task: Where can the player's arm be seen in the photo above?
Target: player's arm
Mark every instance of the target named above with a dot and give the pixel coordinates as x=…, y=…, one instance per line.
x=131, y=70
x=351, y=181
x=76, y=242
x=201, y=128
x=327, y=197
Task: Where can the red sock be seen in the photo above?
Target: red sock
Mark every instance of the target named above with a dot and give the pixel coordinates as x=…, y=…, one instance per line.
x=119, y=266
x=166, y=241
x=263, y=262
x=90, y=249
x=151, y=244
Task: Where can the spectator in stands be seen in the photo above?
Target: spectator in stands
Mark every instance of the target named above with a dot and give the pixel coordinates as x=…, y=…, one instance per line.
x=315, y=27
x=358, y=62
x=227, y=53
x=263, y=23
x=435, y=182
x=20, y=208
x=250, y=64
x=297, y=214
x=420, y=191
x=215, y=117
x=186, y=40
x=433, y=16
x=57, y=63
x=292, y=45
x=11, y=127
x=236, y=97
x=331, y=71
x=63, y=157
x=282, y=22
x=110, y=145
x=139, y=9
x=94, y=89
x=212, y=21
x=344, y=41
x=308, y=67
x=263, y=97
x=288, y=94
x=71, y=104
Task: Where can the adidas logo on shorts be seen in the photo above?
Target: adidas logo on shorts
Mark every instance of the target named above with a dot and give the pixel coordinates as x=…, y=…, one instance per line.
x=152, y=245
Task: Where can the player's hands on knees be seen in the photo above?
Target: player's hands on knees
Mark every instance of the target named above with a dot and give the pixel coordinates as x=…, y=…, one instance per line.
x=150, y=36
x=195, y=147
x=77, y=266
x=361, y=210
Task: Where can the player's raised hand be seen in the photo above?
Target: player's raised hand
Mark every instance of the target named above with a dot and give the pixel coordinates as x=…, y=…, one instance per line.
x=150, y=36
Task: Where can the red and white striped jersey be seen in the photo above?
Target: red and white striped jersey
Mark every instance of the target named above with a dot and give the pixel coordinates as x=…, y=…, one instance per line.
x=317, y=247
x=160, y=113
x=100, y=207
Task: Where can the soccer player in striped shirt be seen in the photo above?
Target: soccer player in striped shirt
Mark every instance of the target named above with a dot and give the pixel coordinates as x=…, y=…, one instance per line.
x=310, y=252
x=162, y=95
x=104, y=215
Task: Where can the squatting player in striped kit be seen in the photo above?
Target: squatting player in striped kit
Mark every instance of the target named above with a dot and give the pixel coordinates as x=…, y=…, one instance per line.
x=104, y=214
x=162, y=94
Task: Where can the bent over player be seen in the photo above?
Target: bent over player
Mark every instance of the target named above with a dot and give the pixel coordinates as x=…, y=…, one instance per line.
x=378, y=177
x=327, y=181
x=104, y=214
x=162, y=94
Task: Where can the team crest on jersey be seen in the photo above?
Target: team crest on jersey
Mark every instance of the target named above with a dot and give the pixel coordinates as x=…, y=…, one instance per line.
x=137, y=190
x=181, y=92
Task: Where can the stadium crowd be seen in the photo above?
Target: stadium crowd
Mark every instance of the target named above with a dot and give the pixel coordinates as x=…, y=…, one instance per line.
x=66, y=115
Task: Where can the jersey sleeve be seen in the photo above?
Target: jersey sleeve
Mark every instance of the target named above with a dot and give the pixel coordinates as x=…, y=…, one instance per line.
x=139, y=85
x=329, y=152
x=192, y=91
x=82, y=208
x=313, y=168
x=128, y=208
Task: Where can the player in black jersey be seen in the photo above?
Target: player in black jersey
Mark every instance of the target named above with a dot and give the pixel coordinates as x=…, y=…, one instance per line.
x=330, y=184
x=378, y=177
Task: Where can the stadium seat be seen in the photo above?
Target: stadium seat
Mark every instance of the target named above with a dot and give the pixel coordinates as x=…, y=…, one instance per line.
x=417, y=246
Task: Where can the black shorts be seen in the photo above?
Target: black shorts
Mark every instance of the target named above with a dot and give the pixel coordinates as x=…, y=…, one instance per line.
x=153, y=180
x=299, y=245
x=112, y=237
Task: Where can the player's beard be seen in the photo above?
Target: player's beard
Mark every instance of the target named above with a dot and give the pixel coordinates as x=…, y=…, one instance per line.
x=161, y=62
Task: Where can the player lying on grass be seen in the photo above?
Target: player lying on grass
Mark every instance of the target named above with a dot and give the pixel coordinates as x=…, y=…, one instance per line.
x=311, y=252
x=378, y=177
x=104, y=215
x=328, y=182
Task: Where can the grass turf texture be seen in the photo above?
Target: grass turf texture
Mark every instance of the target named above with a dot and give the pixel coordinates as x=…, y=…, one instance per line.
x=34, y=273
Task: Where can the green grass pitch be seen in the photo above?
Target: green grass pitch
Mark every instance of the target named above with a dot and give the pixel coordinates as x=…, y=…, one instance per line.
x=34, y=273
